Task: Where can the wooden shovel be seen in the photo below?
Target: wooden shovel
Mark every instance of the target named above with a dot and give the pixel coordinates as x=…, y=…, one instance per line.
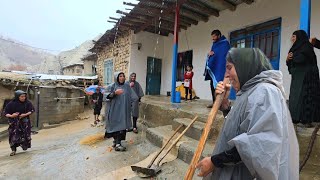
x=205, y=133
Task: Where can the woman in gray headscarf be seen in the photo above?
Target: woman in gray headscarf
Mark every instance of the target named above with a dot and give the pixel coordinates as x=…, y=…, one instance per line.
x=258, y=139
x=118, y=114
x=135, y=105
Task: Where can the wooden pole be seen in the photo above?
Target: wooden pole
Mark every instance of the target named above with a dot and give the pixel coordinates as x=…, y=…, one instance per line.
x=204, y=136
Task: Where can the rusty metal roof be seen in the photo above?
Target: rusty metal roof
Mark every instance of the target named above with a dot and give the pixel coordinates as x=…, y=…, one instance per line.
x=145, y=16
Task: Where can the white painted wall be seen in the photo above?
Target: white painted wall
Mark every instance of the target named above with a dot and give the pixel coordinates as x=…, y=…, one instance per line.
x=149, y=48
x=197, y=38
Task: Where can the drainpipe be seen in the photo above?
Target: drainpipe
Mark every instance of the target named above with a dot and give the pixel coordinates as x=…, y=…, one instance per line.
x=305, y=15
x=175, y=54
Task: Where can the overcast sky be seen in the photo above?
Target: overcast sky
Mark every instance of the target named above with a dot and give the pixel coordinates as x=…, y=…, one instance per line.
x=57, y=24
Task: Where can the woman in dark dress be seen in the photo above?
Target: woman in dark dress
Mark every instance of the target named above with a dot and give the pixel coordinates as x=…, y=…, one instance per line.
x=18, y=111
x=304, y=99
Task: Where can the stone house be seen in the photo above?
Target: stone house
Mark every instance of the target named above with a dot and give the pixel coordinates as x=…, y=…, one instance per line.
x=73, y=70
x=90, y=65
x=140, y=43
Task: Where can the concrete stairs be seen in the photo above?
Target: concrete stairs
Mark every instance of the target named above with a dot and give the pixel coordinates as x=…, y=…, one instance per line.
x=189, y=141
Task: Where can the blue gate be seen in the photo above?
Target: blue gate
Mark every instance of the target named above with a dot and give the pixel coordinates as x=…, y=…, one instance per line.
x=153, y=76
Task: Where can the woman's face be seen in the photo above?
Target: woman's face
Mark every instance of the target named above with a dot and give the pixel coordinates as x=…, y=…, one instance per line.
x=293, y=38
x=231, y=73
x=22, y=98
x=189, y=68
x=133, y=77
x=122, y=78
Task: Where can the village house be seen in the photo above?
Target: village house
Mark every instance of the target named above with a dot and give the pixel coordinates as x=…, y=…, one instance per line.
x=140, y=46
x=73, y=69
x=90, y=65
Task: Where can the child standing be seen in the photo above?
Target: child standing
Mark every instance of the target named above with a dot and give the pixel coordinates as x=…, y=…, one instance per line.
x=188, y=75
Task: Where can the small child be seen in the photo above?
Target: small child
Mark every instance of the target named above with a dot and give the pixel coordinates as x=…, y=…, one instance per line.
x=188, y=75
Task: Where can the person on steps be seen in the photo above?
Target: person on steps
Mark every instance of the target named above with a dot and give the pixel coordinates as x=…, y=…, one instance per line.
x=188, y=75
x=216, y=62
x=304, y=98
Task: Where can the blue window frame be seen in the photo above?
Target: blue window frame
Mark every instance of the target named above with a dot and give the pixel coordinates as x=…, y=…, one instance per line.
x=108, y=72
x=265, y=36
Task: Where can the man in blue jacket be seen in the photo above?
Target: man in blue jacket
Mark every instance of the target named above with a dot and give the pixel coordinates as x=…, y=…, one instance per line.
x=216, y=62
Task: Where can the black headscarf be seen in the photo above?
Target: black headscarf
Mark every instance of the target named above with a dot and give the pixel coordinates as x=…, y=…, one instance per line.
x=17, y=106
x=302, y=45
x=248, y=62
x=302, y=40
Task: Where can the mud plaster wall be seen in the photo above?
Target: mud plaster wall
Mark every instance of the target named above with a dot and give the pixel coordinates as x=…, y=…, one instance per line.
x=119, y=53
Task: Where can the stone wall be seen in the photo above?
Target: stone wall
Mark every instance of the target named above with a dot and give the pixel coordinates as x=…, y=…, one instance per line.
x=119, y=53
x=51, y=111
x=54, y=111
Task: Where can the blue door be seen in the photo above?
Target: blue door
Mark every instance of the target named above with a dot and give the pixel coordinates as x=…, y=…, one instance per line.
x=153, y=84
x=108, y=72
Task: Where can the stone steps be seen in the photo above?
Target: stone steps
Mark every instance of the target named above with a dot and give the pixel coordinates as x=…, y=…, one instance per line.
x=195, y=131
x=187, y=147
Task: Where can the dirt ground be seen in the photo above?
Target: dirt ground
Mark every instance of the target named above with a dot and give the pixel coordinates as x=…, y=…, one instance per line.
x=57, y=154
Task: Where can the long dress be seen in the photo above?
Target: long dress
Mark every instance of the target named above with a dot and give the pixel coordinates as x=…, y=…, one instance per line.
x=19, y=129
x=304, y=99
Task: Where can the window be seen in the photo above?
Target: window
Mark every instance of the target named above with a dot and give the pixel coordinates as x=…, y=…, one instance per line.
x=184, y=59
x=78, y=71
x=265, y=36
x=108, y=72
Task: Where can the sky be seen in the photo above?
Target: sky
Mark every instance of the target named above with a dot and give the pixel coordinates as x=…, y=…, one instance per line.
x=57, y=25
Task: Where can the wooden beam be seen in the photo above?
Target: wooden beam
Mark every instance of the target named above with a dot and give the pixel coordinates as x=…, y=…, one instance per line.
x=184, y=11
x=164, y=13
x=192, y=14
x=227, y=4
x=184, y=16
x=248, y=1
x=164, y=21
x=113, y=21
x=144, y=14
x=170, y=17
x=201, y=8
x=129, y=4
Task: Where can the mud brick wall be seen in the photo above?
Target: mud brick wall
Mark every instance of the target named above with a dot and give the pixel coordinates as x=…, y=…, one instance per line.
x=54, y=111
x=118, y=52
